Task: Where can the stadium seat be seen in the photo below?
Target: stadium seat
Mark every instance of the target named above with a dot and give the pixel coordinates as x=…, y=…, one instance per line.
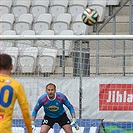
x=43, y=23
x=28, y=32
x=62, y=23
x=18, y=130
x=9, y=32
x=78, y=27
x=99, y=6
x=76, y=7
x=5, y=44
x=58, y=7
x=6, y=22
x=24, y=23
x=39, y=7
x=68, y=43
x=8, y=43
x=113, y=2
x=13, y=52
x=20, y=7
x=5, y=6
x=45, y=43
x=46, y=60
x=27, y=61
x=22, y=44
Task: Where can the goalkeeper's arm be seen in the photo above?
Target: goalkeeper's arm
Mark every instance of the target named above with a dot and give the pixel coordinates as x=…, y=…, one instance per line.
x=74, y=121
x=33, y=123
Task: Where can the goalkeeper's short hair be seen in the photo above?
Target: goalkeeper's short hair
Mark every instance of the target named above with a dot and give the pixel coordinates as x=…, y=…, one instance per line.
x=51, y=84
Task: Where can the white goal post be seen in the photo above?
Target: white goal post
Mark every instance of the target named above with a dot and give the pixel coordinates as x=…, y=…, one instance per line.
x=96, y=76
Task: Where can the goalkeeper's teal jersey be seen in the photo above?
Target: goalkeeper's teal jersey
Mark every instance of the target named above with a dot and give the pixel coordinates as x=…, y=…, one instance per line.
x=53, y=108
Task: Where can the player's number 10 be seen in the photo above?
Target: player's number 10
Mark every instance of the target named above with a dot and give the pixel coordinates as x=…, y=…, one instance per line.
x=6, y=103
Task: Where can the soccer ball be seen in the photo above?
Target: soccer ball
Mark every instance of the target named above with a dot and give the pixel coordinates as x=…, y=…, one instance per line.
x=90, y=16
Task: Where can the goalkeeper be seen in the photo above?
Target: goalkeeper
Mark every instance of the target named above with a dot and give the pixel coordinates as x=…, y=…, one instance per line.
x=52, y=103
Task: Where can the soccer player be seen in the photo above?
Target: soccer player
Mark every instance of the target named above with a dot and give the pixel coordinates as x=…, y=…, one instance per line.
x=53, y=102
x=10, y=91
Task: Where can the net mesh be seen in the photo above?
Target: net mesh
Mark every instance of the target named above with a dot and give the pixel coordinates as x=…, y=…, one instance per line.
x=100, y=57
x=83, y=67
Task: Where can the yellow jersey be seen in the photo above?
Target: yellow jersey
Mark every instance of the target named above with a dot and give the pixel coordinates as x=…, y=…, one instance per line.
x=10, y=91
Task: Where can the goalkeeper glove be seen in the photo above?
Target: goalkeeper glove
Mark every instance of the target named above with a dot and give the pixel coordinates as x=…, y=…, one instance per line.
x=74, y=123
x=33, y=125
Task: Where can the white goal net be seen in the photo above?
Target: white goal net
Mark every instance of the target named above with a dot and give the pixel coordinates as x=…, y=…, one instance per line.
x=95, y=73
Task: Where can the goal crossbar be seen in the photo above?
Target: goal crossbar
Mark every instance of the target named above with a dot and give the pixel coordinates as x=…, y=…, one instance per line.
x=66, y=37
